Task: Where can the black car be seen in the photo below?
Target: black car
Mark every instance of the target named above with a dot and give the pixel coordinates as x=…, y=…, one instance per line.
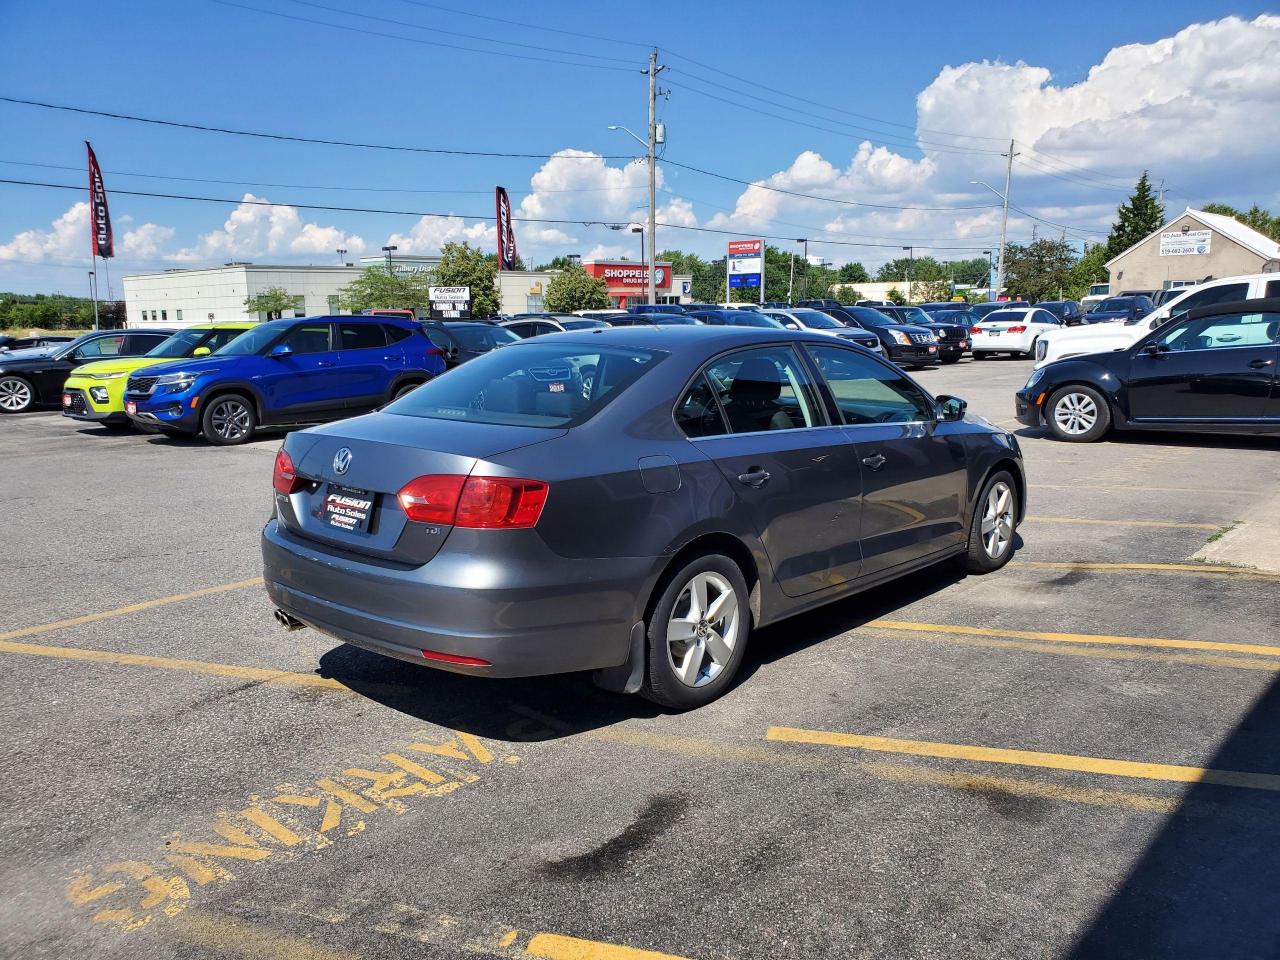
x=735, y=318
x=463, y=340
x=950, y=326
x=908, y=344
x=26, y=343
x=1213, y=370
x=1068, y=311
x=1127, y=309
x=982, y=309
x=34, y=377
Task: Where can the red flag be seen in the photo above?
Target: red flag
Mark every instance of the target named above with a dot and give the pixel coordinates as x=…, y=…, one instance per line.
x=100, y=216
x=506, y=236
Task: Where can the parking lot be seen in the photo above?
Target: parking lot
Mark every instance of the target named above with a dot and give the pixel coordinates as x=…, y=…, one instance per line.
x=1076, y=756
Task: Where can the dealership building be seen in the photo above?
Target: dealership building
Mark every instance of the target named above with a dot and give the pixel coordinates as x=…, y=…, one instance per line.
x=1192, y=247
x=181, y=297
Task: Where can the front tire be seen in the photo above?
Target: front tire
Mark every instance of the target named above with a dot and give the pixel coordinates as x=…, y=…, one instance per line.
x=952, y=359
x=994, y=525
x=697, y=634
x=229, y=420
x=16, y=395
x=1078, y=414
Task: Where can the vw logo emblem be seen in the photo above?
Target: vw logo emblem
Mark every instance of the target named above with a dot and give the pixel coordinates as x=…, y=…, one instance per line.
x=342, y=461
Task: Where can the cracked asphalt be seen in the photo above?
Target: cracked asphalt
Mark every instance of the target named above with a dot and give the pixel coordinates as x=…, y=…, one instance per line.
x=1075, y=757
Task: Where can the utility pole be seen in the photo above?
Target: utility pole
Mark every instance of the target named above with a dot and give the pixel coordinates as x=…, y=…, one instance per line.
x=93, y=292
x=806, y=268
x=1004, y=223
x=653, y=72
x=911, y=268
x=791, y=280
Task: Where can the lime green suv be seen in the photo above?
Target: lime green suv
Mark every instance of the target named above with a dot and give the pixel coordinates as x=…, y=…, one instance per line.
x=95, y=391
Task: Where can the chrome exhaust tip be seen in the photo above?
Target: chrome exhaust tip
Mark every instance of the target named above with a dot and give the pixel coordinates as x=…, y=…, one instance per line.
x=286, y=621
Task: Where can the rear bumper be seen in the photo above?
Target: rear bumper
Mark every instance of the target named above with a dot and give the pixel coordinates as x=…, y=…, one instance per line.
x=528, y=612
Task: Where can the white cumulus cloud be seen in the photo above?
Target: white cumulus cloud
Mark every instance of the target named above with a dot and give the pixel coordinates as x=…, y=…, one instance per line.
x=256, y=228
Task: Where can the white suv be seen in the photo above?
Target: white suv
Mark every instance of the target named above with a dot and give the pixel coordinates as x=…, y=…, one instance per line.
x=1099, y=338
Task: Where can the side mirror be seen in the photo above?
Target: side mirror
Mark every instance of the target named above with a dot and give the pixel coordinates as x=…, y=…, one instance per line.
x=200, y=352
x=280, y=351
x=1154, y=349
x=951, y=408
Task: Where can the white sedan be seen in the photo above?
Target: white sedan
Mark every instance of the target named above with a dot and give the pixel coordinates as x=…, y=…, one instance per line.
x=1096, y=338
x=1012, y=331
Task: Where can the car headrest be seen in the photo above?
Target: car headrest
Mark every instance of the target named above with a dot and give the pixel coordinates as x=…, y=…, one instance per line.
x=757, y=379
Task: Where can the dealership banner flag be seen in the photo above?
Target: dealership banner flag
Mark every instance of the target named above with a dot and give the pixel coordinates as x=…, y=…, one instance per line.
x=100, y=216
x=506, y=236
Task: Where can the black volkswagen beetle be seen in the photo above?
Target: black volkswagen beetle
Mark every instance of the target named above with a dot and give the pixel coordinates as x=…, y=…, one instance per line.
x=1212, y=370
x=32, y=377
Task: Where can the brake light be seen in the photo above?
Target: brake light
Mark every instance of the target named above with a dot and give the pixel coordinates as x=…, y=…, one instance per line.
x=507, y=503
x=285, y=477
x=1018, y=329
x=434, y=352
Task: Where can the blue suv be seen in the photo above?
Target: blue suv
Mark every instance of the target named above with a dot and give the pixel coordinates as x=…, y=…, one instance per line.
x=285, y=372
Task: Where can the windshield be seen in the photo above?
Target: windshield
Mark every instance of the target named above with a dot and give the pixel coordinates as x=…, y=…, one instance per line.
x=1116, y=304
x=750, y=318
x=181, y=344
x=871, y=317
x=670, y=319
x=913, y=315
x=483, y=338
x=536, y=384
x=816, y=320
x=255, y=340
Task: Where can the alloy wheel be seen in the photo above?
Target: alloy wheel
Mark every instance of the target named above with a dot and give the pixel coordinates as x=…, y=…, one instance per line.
x=15, y=394
x=703, y=630
x=1075, y=413
x=997, y=521
x=230, y=419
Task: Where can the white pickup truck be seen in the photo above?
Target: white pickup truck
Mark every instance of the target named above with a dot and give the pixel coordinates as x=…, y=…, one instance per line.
x=1099, y=338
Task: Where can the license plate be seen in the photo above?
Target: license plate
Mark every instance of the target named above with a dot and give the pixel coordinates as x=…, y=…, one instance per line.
x=130, y=408
x=964, y=344
x=348, y=509
x=993, y=333
x=66, y=399
x=933, y=349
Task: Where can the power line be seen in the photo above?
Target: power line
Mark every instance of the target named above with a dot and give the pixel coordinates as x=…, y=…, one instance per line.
x=525, y=26
x=444, y=216
x=313, y=140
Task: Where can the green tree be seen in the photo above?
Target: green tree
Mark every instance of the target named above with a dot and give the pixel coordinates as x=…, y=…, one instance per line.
x=462, y=265
x=575, y=289
x=853, y=273
x=376, y=289
x=1088, y=270
x=1141, y=215
x=930, y=291
x=1040, y=270
x=1256, y=217
x=562, y=262
x=493, y=259
x=273, y=301
x=919, y=268
x=975, y=271
x=895, y=296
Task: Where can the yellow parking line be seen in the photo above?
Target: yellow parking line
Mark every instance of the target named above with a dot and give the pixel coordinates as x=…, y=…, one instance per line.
x=1029, y=758
x=255, y=940
x=1050, y=637
x=1129, y=523
x=1194, y=569
x=553, y=946
x=123, y=611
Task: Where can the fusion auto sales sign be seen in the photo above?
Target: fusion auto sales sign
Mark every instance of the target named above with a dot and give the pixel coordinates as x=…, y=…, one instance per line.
x=450, y=303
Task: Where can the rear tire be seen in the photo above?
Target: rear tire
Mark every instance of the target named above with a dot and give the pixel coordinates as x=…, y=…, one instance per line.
x=950, y=360
x=16, y=395
x=406, y=388
x=697, y=634
x=994, y=525
x=979, y=354
x=1077, y=414
x=229, y=419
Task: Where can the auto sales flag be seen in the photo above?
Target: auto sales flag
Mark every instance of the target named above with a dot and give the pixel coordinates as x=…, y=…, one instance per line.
x=506, y=236
x=100, y=216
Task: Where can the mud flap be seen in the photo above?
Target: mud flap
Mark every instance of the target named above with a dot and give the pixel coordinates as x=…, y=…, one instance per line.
x=627, y=677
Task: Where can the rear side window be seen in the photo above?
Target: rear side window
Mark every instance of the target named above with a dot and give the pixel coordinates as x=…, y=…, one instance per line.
x=535, y=384
x=139, y=343
x=1273, y=289
x=439, y=339
x=698, y=414
x=1207, y=298
x=866, y=391
x=361, y=336
x=308, y=338
x=396, y=334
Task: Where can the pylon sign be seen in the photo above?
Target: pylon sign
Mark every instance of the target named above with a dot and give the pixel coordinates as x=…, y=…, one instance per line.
x=746, y=263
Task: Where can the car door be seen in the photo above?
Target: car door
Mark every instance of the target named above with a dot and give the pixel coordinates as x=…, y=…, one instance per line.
x=1211, y=369
x=304, y=382
x=366, y=364
x=914, y=468
x=50, y=376
x=757, y=415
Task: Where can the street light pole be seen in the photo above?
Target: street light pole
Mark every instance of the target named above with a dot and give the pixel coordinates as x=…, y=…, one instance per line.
x=636, y=228
x=911, y=263
x=806, y=267
x=342, y=256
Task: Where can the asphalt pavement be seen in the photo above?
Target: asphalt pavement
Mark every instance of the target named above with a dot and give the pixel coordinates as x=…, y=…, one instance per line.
x=1077, y=756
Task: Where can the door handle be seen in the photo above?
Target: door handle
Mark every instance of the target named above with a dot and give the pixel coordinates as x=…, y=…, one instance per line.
x=754, y=477
x=1259, y=364
x=875, y=461
x=324, y=363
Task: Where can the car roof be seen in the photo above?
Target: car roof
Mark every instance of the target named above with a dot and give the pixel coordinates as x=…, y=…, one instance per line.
x=675, y=338
x=1013, y=310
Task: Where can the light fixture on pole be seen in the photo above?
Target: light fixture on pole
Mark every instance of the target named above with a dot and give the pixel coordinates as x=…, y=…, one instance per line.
x=342, y=256
x=388, y=251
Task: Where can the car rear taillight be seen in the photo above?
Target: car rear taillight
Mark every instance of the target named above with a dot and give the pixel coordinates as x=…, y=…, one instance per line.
x=507, y=503
x=1018, y=329
x=434, y=352
x=975, y=329
x=285, y=478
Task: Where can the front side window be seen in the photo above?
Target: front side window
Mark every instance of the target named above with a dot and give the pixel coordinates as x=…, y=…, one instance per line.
x=764, y=389
x=361, y=336
x=101, y=347
x=1224, y=330
x=255, y=340
x=537, y=384
x=307, y=338
x=866, y=391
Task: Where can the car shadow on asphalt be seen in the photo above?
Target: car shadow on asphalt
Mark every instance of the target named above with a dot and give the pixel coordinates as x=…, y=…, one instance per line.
x=548, y=708
x=1207, y=884
x=1159, y=438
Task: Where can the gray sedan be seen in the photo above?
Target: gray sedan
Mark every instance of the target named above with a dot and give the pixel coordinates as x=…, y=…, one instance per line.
x=632, y=502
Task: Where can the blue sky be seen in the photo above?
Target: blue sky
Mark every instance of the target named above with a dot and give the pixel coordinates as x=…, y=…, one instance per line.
x=220, y=64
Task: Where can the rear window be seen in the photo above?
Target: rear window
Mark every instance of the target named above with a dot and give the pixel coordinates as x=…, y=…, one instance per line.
x=534, y=384
x=1004, y=316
